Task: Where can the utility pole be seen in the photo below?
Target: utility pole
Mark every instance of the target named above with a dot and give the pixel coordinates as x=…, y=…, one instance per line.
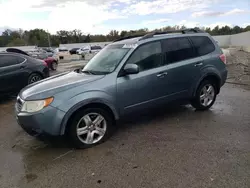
x=48, y=38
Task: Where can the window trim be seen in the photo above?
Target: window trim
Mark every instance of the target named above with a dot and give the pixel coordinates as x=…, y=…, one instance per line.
x=179, y=37
x=15, y=64
x=120, y=71
x=196, y=52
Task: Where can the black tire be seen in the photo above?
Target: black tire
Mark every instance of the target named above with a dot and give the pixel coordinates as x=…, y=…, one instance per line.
x=54, y=65
x=196, y=101
x=72, y=129
x=34, y=77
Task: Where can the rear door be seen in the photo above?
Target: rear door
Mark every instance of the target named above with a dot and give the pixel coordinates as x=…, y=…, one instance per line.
x=12, y=73
x=205, y=48
x=181, y=67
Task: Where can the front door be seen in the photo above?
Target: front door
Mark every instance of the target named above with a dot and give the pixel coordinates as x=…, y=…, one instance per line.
x=142, y=90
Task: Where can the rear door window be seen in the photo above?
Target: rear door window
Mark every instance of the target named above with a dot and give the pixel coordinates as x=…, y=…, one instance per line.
x=177, y=49
x=203, y=45
x=9, y=60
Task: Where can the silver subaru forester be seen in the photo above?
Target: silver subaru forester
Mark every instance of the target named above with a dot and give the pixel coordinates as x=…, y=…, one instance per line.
x=129, y=75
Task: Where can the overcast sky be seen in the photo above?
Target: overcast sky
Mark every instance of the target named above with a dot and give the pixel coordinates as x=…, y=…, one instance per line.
x=100, y=16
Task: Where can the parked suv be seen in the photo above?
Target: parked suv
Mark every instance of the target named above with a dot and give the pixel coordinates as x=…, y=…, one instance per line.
x=127, y=76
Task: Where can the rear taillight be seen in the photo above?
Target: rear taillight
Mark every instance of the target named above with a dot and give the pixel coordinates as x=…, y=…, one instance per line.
x=223, y=58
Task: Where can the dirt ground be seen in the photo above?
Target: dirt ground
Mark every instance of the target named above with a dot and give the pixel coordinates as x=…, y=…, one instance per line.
x=239, y=68
x=171, y=147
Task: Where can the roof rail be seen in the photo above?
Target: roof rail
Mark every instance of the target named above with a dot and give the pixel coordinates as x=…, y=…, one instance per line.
x=150, y=35
x=129, y=37
x=183, y=31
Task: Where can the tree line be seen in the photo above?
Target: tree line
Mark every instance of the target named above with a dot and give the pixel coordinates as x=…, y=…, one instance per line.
x=41, y=38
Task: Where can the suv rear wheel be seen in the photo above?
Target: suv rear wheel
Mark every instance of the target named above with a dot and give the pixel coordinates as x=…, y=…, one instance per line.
x=205, y=95
x=90, y=127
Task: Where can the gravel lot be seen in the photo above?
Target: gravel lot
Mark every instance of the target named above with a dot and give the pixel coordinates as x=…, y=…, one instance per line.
x=239, y=68
x=170, y=147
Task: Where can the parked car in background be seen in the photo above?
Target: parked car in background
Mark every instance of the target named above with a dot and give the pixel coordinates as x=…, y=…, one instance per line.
x=52, y=62
x=61, y=52
x=73, y=51
x=88, y=50
x=126, y=77
x=49, y=51
x=18, y=70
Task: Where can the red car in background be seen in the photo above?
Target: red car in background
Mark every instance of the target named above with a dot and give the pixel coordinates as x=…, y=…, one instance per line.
x=52, y=62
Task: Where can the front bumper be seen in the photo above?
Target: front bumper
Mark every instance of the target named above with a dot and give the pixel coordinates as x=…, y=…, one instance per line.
x=46, y=121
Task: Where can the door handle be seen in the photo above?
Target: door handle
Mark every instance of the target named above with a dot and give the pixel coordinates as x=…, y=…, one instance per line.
x=162, y=74
x=198, y=64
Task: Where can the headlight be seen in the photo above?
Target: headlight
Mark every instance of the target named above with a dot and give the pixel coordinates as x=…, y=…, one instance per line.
x=34, y=106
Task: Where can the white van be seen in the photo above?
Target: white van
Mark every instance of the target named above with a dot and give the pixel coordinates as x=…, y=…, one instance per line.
x=89, y=49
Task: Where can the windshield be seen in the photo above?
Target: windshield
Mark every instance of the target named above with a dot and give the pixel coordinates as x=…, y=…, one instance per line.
x=106, y=60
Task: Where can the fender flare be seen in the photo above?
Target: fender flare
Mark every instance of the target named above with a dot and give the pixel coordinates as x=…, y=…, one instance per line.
x=204, y=75
x=81, y=104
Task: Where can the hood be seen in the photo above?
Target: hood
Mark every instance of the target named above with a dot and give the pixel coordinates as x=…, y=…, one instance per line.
x=50, y=86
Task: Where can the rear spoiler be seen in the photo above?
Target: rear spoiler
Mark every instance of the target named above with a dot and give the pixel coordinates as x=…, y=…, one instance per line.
x=15, y=50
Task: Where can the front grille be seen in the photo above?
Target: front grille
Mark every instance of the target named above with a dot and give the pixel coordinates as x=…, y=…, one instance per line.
x=19, y=104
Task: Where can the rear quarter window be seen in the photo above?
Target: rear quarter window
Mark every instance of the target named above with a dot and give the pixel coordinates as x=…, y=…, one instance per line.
x=203, y=45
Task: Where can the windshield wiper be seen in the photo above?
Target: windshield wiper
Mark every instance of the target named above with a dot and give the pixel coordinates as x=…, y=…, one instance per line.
x=87, y=72
x=95, y=72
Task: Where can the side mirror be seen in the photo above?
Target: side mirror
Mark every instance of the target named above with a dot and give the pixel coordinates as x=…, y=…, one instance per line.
x=131, y=69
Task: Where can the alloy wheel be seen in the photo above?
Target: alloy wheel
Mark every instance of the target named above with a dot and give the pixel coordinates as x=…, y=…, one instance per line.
x=207, y=95
x=91, y=128
x=35, y=78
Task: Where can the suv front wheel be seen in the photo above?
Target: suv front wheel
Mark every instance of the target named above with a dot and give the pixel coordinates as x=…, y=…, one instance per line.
x=205, y=95
x=90, y=127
